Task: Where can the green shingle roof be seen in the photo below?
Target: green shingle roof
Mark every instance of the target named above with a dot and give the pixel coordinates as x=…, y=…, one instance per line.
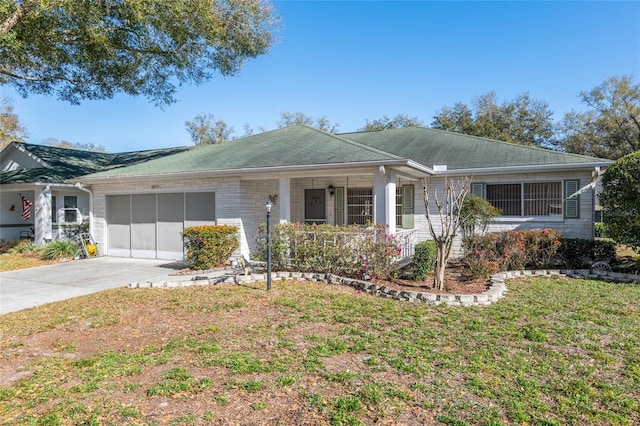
x=296, y=145
x=431, y=147
x=63, y=164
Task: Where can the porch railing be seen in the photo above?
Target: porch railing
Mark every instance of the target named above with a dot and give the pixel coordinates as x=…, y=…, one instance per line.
x=407, y=239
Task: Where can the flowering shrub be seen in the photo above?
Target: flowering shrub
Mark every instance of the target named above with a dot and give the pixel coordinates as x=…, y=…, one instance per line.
x=511, y=250
x=350, y=251
x=481, y=263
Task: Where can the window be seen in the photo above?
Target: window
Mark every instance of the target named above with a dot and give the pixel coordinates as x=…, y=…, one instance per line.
x=526, y=199
x=71, y=209
x=359, y=206
x=404, y=206
x=54, y=210
x=399, y=206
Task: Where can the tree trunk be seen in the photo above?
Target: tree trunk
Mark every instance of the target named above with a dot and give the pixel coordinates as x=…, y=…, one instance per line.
x=441, y=265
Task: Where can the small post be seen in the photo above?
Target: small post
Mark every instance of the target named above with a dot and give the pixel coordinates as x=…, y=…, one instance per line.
x=268, y=207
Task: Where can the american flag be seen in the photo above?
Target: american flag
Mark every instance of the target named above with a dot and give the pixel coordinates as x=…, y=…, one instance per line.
x=26, y=207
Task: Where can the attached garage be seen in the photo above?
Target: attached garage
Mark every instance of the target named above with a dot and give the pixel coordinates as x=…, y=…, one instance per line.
x=151, y=225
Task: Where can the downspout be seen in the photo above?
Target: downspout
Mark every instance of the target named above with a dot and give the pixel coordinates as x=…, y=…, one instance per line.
x=87, y=190
x=595, y=176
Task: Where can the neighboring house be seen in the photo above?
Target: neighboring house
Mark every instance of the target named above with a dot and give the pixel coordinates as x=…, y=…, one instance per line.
x=47, y=178
x=353, y=178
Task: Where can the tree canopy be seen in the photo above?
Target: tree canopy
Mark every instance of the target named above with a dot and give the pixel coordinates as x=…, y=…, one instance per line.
x=522, y=120
x=610, y=127
x=206, y=130
x=88, y=146
x=78, y=50
x=384, y=123
x=11, y=130
x=621, y=201
x=322, y=123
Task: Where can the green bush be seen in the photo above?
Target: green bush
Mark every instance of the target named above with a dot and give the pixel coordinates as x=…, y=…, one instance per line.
x=512, y=250
x=350, y=251
x=424, y=259
x=60, y=249
x=600, y=229
x=210, y=246
x=576, y=253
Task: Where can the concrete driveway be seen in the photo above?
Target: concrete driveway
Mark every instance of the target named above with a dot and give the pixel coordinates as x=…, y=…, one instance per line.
x=26, y=288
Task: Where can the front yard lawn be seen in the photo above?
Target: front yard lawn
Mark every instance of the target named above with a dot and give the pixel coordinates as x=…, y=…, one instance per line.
x=553, y=351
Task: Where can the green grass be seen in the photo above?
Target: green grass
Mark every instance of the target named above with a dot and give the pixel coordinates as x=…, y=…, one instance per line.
x=553, y=351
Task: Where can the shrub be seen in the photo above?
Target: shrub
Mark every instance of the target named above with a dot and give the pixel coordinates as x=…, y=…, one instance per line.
x=475, y=215
x=600, y=229
x=424, y=259
x=350, y=251
x=210, y=246
x=512, y=250
x=61, y=249
x=575, y=253
x=25, y=247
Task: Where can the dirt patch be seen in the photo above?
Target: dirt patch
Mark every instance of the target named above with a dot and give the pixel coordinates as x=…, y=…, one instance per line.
x=457, y=281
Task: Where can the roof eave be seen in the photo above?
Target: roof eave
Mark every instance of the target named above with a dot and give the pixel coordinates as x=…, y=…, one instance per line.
x=249, y=171
x=520, y=169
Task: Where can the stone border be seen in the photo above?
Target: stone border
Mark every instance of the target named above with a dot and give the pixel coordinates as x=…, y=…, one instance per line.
x=496, y=290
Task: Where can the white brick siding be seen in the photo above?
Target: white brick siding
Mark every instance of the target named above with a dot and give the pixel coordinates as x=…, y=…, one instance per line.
x=241, y=202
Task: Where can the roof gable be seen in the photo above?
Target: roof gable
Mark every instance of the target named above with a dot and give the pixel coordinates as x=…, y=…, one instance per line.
x=57, y=165
x=296, y=145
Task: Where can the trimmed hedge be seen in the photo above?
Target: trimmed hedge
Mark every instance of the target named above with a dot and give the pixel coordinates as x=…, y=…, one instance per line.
x=424, y=259
x=210, y=246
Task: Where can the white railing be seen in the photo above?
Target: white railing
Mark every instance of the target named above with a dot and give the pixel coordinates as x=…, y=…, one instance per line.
x=407, y=239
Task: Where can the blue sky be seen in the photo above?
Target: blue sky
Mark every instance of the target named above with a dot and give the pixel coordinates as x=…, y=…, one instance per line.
x=358, y=61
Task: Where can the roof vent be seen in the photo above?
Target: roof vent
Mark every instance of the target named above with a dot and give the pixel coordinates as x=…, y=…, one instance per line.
x=439, y=167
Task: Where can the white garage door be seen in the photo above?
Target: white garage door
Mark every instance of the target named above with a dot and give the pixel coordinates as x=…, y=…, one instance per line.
x=151, y=225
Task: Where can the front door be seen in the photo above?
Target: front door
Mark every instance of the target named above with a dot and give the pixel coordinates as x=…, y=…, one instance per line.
x=315, y=210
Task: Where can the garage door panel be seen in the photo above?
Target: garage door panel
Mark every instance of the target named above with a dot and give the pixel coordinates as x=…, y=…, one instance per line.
x=119, y=232
x=200, y=208
x=151, y=225
x=170, y=226
x=143, y=226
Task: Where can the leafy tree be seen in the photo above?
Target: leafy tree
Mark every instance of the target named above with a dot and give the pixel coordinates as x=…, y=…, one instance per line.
x=322, y=123
x=206, y=130
x=74, y=145
x=522, y=120
x=10, y=127
x=610, y=127
x=620, y=198
x=384, y=123
x=81, y=50
x=458, y=118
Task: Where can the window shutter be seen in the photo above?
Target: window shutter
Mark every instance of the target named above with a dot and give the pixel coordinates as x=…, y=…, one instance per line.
x=338, y=206
x=477, y=189
x=407, y=206
x=571, y=205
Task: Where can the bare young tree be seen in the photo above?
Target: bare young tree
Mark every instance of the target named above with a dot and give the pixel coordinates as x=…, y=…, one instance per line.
x=448, y=201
